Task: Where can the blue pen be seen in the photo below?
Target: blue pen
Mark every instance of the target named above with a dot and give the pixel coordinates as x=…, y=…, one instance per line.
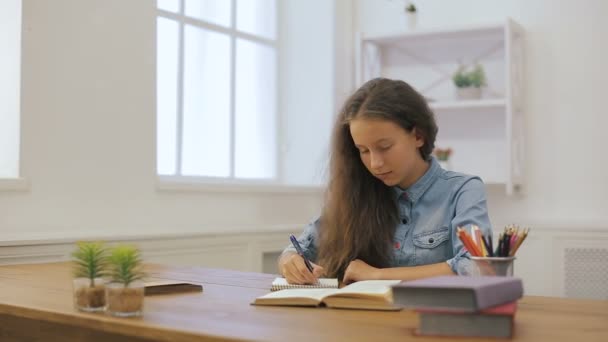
x=298, y=248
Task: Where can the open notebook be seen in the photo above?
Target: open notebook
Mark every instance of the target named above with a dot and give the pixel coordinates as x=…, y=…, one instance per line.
x=282, y=284
x=366, y=294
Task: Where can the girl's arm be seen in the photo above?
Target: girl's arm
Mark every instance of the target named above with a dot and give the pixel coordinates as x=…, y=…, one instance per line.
x=359, y=270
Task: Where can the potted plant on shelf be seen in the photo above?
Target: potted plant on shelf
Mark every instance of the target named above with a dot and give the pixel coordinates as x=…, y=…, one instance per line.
x=411, y=14
x=443, y=157
x=89, y=262
x=469, y=82
x=125, y=292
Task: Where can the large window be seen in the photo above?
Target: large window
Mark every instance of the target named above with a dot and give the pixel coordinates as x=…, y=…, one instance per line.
x=217, y=89
x=10, y=75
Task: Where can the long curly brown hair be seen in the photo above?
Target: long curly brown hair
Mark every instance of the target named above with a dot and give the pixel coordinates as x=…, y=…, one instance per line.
x=360, y=212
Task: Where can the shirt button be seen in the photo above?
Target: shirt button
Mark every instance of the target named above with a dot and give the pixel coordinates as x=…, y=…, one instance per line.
x=431, y=240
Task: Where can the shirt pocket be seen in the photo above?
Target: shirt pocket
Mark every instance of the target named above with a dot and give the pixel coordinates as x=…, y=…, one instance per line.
x=430, y=247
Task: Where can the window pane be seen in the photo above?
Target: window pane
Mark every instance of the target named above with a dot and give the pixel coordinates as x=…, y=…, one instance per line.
x=257, y=17
x=255, y=116
x=167, y=38
x=168, y=5
x=206, y=126
x=213, y=11
x=10, y=76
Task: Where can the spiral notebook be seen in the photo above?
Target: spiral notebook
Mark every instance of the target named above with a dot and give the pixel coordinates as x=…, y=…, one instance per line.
x=324, y=283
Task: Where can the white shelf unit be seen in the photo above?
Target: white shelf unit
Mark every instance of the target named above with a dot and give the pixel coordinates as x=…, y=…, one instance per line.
x=486, y=135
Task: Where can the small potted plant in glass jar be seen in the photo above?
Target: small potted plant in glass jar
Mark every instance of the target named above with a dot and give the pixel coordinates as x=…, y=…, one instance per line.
x=89, y=260
x=125, y=292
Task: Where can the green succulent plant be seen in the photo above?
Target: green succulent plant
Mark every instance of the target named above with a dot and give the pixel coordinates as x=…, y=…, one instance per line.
x=477, y=76
x=474, y=78
x=410, y=8
x=90, y=260
x=126, y=265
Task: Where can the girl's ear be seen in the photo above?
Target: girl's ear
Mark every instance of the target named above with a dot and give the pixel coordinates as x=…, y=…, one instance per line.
x=419, y=137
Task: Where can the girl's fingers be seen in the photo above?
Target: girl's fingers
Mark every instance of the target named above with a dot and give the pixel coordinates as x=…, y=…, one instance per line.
x=296, y=272
x=318, y=271
x=291, y=277
x=303, y=271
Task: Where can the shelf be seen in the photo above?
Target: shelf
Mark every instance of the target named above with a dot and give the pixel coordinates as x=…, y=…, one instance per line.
x=486, y=135
x=489, y=31
x=468, y=104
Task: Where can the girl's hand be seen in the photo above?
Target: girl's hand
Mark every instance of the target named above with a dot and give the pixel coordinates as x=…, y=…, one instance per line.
x=359, y=270
x=294, y=270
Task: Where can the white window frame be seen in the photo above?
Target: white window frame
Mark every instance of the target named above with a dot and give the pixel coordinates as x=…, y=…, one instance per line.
x=231, y=183
x=18, y=183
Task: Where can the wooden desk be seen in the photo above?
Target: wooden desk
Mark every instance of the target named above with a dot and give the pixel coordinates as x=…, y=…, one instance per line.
x=36, y=304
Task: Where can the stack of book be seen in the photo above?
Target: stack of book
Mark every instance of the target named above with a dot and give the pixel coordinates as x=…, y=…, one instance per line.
x=481, y=306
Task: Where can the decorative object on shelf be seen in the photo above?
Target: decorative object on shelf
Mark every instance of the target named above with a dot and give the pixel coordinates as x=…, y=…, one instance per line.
x=443, y=157
x=411, y=14
x=469, y=83
x=125, y=293
x=90, y=261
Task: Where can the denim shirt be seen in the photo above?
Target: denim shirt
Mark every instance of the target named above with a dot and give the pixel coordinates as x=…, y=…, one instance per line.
x=430, y=211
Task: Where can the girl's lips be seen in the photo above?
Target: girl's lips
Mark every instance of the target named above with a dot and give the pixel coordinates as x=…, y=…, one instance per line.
x=383, y=175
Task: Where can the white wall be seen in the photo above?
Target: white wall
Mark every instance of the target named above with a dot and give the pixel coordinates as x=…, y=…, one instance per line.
x=307, y=94
x=566, y=54
x=344, y=58
x=88, y=125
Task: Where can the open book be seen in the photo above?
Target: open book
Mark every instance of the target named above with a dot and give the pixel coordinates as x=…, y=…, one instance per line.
x=366, y=294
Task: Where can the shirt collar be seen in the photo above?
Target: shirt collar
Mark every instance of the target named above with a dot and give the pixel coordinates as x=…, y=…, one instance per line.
x=416, y=190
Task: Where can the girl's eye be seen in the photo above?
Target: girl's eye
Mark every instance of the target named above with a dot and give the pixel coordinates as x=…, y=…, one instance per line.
x=363, y=151
x=384, y=148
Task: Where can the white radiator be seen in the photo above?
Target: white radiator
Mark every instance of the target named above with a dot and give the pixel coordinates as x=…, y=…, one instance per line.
x=586, y=273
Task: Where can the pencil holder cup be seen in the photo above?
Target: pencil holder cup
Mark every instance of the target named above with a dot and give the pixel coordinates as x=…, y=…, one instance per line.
x=493, y=266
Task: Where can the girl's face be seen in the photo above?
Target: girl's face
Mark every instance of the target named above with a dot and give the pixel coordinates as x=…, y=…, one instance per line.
x=388, y=151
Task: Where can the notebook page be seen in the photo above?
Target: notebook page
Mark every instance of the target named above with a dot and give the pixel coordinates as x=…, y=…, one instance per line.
x=317, y=294
x=282, y=284
x=371, y=287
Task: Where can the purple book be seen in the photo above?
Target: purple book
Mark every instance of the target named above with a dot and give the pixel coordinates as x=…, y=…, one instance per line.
x=457, y=293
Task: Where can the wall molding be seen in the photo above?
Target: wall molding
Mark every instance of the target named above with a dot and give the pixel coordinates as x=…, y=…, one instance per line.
x=237, y=250
x=14, y=184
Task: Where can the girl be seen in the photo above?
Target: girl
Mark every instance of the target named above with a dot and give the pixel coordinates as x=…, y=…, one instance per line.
x=390, y=212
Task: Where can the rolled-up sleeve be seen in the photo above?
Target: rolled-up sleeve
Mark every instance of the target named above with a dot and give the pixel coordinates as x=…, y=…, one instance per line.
x=471, y=209
x=308, y=240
